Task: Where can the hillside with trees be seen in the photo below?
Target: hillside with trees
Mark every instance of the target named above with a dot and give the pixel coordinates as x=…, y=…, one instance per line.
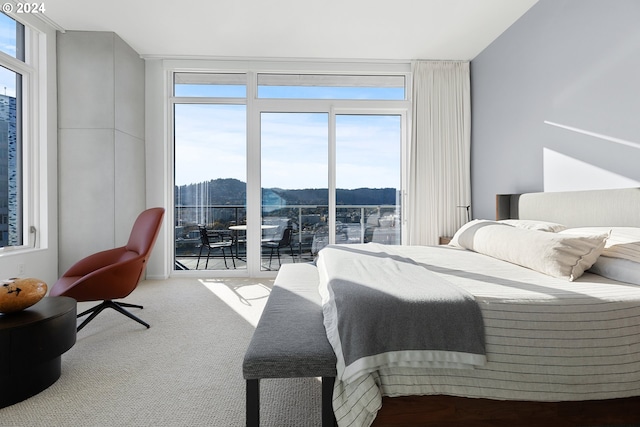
x=229, y=191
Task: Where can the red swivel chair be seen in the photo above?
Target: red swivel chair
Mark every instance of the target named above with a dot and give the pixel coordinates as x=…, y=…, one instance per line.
x=114, y=273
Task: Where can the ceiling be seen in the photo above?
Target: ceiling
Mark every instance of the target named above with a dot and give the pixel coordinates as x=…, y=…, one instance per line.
x=308, y=29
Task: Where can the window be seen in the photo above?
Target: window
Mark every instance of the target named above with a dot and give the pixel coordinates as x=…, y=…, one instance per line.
x=210, y=85
x=210, y=177
x=13, y=37
x=328, y=86
x=274, y=166
x=294, y=185
x=12, y=170
x=368, y=178
x=210, y=184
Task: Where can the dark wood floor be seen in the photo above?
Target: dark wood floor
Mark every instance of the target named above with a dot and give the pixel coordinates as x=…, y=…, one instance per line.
x=447, y=411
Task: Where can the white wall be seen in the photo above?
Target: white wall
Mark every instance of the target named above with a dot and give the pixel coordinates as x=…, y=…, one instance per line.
x=157, y=152
x=101, y=117
x=555, y=102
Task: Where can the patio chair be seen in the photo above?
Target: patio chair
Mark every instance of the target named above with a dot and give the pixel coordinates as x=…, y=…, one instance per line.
x=275, y=245
x=221, y=244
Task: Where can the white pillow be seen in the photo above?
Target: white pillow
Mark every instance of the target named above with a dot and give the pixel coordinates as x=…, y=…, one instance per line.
x=623, y=242
x=471, y=225
x=534, y=224
x=554, y=254
x=618, y=269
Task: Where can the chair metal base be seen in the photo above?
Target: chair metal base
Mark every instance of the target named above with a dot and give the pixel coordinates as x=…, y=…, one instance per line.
x=117, y=306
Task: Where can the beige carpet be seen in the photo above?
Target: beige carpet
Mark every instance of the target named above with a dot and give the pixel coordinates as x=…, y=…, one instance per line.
x=186, y=370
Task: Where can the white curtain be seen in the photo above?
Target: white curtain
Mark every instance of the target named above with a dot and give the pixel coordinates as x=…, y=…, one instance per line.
x=439, y=167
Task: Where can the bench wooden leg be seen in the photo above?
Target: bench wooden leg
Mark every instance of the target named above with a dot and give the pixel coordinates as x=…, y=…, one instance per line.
x=253, y=403
x=328, y=417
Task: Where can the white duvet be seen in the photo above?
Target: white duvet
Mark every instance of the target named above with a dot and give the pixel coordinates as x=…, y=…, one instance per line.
x=547, y=339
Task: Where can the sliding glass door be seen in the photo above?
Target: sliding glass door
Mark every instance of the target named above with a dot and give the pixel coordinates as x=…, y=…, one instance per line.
x=368, y=163
x=303, y=209
x=294, y=186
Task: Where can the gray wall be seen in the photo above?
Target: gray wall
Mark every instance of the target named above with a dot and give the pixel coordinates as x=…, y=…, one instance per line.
x=101, y=151
x=571, y=62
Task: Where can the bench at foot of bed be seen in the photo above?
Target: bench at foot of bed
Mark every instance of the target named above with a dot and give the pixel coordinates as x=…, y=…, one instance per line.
x=290, y=340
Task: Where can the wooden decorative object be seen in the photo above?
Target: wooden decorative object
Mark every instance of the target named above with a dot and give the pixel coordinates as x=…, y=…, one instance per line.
x=17, y=294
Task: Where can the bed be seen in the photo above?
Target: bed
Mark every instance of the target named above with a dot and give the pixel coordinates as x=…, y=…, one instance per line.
x=554, y=332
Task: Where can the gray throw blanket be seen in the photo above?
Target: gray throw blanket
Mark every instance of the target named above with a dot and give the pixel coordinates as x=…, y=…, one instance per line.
x=383, y=310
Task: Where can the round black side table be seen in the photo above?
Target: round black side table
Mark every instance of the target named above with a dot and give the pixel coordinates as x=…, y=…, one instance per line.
x=31, y=344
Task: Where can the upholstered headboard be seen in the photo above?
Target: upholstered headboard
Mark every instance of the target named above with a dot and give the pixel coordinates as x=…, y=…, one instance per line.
x=617, y=207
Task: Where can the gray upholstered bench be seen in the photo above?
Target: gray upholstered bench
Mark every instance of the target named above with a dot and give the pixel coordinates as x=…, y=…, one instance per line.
x=290, y=340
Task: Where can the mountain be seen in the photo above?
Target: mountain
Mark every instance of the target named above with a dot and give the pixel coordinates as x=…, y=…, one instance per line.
x=230, y=191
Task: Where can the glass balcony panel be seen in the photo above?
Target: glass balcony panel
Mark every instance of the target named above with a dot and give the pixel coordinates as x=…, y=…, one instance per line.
x=228, y=246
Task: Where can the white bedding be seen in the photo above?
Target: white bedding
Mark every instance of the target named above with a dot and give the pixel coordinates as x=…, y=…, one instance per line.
x=547, y=339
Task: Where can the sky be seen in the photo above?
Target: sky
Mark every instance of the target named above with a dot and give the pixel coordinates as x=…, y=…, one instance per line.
x=8, y=46
x=211, y=143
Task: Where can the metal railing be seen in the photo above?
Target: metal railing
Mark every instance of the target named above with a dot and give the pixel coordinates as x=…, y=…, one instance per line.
x=354, y=224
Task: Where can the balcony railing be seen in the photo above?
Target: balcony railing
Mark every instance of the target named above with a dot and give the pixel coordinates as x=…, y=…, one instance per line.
x=354, y=224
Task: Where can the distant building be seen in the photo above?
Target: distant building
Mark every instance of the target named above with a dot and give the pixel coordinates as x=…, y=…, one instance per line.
x=10, y=234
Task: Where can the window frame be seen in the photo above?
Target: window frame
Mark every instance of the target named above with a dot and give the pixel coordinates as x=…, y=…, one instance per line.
x=339, y=81
x=256, y=106
x=32, y=109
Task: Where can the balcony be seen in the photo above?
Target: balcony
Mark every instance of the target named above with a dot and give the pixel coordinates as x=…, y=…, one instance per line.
x=309, y=225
